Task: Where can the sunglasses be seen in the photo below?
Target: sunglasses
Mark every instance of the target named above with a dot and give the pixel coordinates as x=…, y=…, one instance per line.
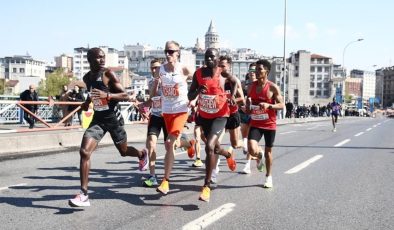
x=170, y=52
x=222, y=66
x=154, y=67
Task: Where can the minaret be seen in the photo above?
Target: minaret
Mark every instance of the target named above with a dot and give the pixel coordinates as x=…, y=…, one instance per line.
x=211, y=37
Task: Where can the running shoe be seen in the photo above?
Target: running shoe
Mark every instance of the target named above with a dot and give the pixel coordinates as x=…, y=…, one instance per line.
x=80, y=200
x=260, y=165
x=205, y=194
x=246, y=169
x=150, y=182
x=231, y=163
x=164, y=187
x=197, y=163
x=334, y=130
x=268, y=182
x=217, y=168
x=143, y=162
x=191, y=151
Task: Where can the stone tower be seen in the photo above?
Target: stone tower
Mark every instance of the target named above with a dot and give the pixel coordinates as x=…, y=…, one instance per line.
x=211, y=37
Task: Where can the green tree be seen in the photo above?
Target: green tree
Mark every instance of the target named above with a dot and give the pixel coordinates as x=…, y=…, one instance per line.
x=53, y=83
x=2, y=86
x=348, y=99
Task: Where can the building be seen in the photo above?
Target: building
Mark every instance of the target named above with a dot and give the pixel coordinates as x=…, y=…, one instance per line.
x=388, y=87
x=368, y=84
x=65, y=62
x=353, y=87
x=212, y=37
x=20, y=71
x=80, y=62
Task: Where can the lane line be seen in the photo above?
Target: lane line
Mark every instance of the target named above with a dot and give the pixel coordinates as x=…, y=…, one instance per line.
x=369, y=129
x=342, y=143
x=375, y=126
x=303, y=165
x=288, y=132
x=359, y=134
x=12, y=186
x=210, y=217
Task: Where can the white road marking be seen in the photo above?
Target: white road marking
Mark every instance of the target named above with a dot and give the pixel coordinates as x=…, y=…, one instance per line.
x=303, y=164
x=369, y=129
x=342, y=143
x=314, y=127
x=210, y=217
x=12, y=186
x=375, y=126
x=176, y=154
x=288, y=132
x=359, y=134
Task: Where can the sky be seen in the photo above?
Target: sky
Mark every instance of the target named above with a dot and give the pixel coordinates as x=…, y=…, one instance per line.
x=48, y=28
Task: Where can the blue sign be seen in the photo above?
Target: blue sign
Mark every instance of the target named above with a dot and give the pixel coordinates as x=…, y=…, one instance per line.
x=371, y=102
x=359, y=103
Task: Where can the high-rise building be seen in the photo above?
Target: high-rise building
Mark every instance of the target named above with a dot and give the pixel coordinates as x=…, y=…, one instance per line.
x=64, y=61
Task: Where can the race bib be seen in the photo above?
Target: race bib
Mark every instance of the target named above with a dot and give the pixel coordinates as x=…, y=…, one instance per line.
x=170, y=91
x=208, y=103
x=156, y=104
x=100, y=104
x=257, y=113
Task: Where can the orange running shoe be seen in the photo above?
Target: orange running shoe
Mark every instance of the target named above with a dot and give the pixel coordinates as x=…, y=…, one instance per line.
x=164, y=187
x=232, y=164
x=205, y=194
x=191, y=151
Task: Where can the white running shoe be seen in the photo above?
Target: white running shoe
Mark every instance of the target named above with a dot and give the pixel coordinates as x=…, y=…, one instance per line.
x=217, y=168
x=246, y=169
x=260, y=165
x=268, y=182
x=80, y=200
x=334, y=130
x=214, y=177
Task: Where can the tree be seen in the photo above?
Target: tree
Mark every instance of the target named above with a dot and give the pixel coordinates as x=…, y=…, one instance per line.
x=53, y=83
x=2, y=86
x=348, y=99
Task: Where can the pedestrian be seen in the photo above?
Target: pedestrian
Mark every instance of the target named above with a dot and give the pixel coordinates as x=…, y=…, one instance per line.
x=75, y=96
x=64, y=97
x=264, y=99
x=173, y=80
x=335, y=111
x=105, y=91
x=29, y=95
x=213, y=111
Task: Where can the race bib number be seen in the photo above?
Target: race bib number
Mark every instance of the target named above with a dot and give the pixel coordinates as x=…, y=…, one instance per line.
x=208, y=103
x=257, y=113
x=100, y=104
x=156, y=104
x=170, y=90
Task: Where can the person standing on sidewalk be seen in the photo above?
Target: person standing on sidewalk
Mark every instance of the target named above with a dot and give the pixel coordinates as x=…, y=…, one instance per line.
x=264, y=98
x=29, y=95
x=175, y=105
x=156, y=122
x=213, y=110
x=105, y=93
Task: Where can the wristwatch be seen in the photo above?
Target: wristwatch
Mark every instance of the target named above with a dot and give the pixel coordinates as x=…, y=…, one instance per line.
x=270, y=106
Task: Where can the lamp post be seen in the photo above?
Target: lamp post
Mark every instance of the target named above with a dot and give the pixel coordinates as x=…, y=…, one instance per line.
x=344, y=50
x=284, y=59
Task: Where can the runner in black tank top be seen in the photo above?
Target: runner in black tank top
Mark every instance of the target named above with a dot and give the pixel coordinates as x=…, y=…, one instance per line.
x=105, y=91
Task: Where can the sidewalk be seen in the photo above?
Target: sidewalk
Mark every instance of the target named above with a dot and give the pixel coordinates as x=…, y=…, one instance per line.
x=14, y=145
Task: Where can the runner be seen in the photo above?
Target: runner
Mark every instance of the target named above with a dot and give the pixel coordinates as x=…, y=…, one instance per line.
x=264, y=99
x=175, y=104
x=234, y=120
x=335, y=110
x=156, y=122
x=105, y=93
x=213, y=112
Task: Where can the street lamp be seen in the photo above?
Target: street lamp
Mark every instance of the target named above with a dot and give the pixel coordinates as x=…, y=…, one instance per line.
x=284, y=59
x=344, y=50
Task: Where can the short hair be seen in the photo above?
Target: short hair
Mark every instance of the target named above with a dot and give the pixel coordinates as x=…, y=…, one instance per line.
x=265, y=63
x=252, y=64
x=154, y=60
x=227, y=58
x=92, y=52
x=173, y=42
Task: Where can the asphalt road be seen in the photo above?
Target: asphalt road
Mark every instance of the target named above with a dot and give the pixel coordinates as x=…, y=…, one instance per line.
x=322, y=180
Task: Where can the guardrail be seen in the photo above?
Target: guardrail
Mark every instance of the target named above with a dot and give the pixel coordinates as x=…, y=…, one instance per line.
x=49, y=113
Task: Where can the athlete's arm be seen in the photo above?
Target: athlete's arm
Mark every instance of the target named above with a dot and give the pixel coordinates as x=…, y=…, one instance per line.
x=86, y=103
x=240, y=97
x=116, y=91
x=277, y=95
x=193, y=90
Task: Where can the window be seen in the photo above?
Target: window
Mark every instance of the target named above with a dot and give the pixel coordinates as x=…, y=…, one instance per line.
x=319, y=85
x=14, y=70
x=326, y=69
x=312, y=69
x=21, y=70
x=319, y=69
x=312, y=93
x=312, y=85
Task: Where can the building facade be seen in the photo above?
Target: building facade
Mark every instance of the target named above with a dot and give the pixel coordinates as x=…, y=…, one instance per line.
x=65, y=62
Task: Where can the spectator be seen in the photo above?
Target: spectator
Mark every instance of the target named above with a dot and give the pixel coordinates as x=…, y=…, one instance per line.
x=30, y=95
